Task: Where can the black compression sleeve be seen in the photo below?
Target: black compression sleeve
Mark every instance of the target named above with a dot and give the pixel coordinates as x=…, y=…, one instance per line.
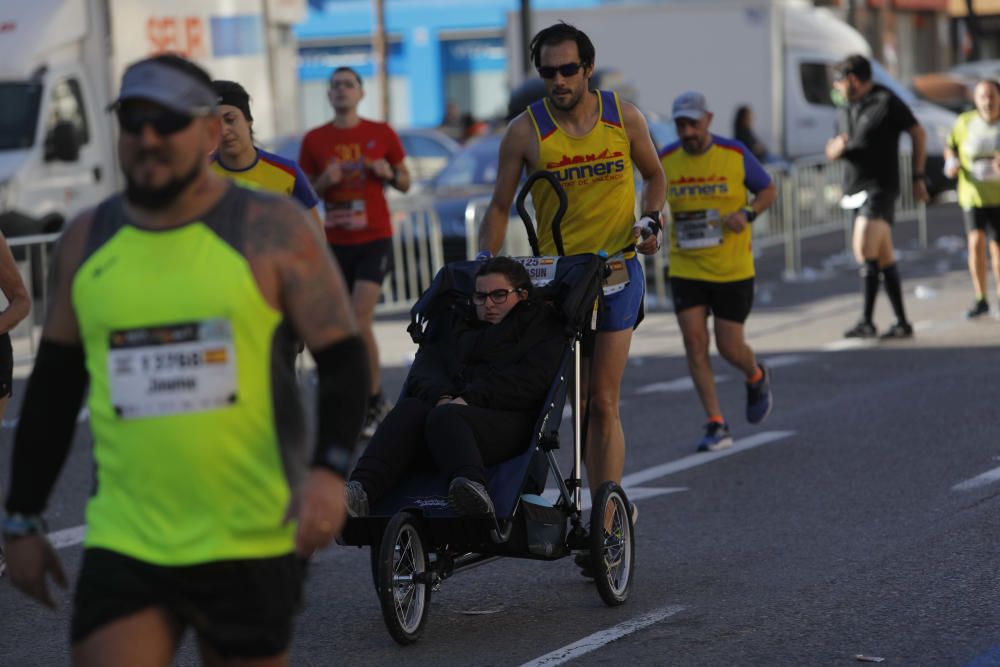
x=341, y=400
x=45, y=430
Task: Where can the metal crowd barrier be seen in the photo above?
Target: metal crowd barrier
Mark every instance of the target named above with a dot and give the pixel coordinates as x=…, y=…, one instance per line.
x=418, y=253
x=32, y=254
x=808, y=204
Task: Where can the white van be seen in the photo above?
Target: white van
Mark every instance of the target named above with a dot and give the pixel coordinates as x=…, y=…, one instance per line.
x=61, y=61
x=774, y=55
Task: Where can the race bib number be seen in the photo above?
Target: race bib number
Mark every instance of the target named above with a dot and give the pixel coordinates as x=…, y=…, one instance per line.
x=542, y=270
x=984, y=169
x=698, y=229
x=349, y=215
x=173, y=369
x=617, y=279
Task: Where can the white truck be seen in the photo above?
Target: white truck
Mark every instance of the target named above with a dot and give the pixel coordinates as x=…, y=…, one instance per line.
x=60, y=68
x=774, y=55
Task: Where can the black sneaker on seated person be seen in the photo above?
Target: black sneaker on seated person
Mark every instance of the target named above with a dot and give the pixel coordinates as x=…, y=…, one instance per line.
x=898, y=330
x=469, y=498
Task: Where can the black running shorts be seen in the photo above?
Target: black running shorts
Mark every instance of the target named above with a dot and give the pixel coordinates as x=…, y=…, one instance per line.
x=370, y=261
x=241, y=608
x=985, y=219
x=880, y=205
x=727, y=301
x=6, y=366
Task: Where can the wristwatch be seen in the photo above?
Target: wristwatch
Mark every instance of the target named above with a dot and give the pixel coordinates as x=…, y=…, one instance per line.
x=20, y=525
x=749, y=213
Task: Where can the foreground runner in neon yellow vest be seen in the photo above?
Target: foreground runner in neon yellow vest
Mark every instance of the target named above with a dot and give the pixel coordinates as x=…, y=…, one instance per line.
x=179, y=301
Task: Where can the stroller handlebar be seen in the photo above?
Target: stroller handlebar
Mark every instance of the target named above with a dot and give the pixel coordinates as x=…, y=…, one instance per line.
x=548, y=176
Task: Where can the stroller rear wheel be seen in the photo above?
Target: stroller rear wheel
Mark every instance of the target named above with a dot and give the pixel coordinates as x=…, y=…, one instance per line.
x=403, y=571
x=612, y=544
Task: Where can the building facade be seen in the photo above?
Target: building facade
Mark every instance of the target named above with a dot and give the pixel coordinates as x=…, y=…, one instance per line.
x=438, y=51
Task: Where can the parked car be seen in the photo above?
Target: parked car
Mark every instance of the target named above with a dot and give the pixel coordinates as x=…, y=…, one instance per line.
x=953, y=88
x=469, y=176
x=427, y=150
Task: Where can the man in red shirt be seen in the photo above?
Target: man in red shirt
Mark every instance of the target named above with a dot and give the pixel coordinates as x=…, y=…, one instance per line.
x=349, y=161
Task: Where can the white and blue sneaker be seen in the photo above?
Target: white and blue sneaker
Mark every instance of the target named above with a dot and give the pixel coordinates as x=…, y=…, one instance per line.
x=716, y=437
x=759, y=399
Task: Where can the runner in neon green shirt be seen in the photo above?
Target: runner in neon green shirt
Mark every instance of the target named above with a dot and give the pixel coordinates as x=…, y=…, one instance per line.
x=173, y=300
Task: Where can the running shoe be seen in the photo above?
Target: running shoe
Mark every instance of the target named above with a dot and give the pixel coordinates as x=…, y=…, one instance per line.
x=377, y=410
x=862, y=329
x=357, y=499
x=898, y=330
x=717, y=436
x=759, y=399
x=469, y=498
x=979, y=308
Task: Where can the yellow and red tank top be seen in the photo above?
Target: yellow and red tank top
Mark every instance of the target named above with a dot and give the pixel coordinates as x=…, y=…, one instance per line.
x=701, y=191
x=272, y=173
x=596, y=172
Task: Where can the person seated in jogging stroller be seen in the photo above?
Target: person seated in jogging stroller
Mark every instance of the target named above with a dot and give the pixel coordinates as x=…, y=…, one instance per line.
x=474, y=405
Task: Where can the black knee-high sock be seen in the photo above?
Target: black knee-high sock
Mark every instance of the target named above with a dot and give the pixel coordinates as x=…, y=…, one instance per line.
x=869, y=286
x=894, y=288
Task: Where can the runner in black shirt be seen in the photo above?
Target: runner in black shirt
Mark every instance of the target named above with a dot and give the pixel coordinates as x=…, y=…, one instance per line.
x=869, y=127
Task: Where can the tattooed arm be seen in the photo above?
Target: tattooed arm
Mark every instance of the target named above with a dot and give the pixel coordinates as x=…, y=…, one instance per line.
x=294, y=267
x=296, y=272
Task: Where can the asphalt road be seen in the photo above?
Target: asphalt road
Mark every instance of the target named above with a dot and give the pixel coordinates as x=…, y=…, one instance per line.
x=856, y=521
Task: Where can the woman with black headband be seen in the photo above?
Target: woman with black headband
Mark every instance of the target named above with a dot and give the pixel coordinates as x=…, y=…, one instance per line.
x=239, y=160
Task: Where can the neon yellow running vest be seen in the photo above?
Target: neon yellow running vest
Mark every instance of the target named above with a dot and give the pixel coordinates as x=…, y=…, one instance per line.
x=596, y=172
x=196, y=421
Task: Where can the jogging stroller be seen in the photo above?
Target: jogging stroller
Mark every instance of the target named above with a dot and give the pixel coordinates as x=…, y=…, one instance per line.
x=417, y=541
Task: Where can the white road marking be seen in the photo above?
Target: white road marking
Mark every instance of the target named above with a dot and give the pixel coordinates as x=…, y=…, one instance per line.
x=849, y=344
x=680, y=384
x=635, y=493
x=987, y=477
x=694, y=460
x=685, y=383
x=784, y=360
x=602, y=637
x=631, y=483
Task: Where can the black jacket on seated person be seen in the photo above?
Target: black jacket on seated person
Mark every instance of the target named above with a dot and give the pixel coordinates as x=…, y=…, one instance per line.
x=505, y=366
x=503, y=371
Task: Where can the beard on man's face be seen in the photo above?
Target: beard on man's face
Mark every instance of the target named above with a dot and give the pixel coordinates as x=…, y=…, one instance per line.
x=566, y=102
x=155, y=198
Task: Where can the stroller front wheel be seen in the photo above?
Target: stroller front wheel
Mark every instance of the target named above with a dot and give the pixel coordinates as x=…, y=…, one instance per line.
x=403, y=592
x=612, y=544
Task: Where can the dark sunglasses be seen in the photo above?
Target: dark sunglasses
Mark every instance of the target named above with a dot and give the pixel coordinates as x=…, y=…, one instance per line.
x=164, y=121
x=567, y=70
x=496, y=296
